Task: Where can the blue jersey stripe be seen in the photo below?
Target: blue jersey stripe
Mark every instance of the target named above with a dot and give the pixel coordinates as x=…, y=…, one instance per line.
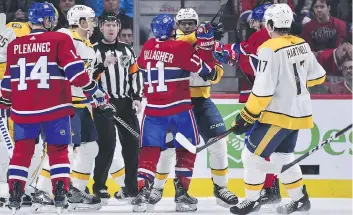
x=73, y=69
x=53, y=70
x=168, y=74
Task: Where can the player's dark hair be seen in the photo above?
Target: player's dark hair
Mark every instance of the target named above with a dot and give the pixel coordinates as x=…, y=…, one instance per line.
x=279, y=30
x=76, y=26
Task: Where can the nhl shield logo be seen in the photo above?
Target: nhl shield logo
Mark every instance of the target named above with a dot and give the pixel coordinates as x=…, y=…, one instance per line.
x=124, y=60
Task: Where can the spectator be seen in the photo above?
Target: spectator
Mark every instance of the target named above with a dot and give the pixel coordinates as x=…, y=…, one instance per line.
x=325, y=31
x=345, y=86
x=332, y=59
x=250, y=4
x=64, y=7
x=15, y=10
x=125, y=34
x=128, y=7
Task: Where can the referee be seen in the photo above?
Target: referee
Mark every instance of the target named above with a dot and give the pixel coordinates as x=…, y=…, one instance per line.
x=117, y=74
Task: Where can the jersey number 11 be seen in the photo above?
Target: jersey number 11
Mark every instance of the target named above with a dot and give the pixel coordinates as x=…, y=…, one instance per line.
x=161, y=86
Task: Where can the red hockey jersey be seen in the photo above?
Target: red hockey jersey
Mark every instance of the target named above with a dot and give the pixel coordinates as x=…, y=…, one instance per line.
x=40, y=70
x=248, y=52
x=166, y=66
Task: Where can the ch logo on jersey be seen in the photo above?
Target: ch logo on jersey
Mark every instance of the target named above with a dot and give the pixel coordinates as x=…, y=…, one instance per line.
x=124, y=60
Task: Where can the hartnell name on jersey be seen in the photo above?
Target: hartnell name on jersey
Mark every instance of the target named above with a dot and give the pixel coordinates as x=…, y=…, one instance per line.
x=31, y=48
x=158, y=56
x=296, y=50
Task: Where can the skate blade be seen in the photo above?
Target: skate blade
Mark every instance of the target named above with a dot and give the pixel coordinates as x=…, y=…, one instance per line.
x=79, y=207
x=140, y=208
x=223, y=204
x=182, y=207
x=125, y=201
x=150, y=208
x=37, y=208
x=104, y=202
x=14, y=211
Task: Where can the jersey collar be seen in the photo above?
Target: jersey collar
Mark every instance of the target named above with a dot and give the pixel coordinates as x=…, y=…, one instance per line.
x=38, y=31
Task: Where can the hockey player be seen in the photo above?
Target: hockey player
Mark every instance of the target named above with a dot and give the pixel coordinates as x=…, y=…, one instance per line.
x=8, y=35
x=82, y=20
x=248, y=63
x=40, y=68
x=208, y=118
x=279, y=105
x=166, y=65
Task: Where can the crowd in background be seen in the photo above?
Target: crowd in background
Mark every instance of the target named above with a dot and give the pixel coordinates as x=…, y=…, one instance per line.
x=322, y=23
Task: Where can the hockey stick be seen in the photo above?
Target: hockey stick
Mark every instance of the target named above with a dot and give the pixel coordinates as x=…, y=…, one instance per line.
x=223, y=4
x=6, y=136
x=287, y=166
x=125, y=125
x=193, y=149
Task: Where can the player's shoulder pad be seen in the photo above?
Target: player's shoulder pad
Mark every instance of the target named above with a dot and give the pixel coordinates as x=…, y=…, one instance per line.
x=190, y=38
x=61, y=36
x=279, y=43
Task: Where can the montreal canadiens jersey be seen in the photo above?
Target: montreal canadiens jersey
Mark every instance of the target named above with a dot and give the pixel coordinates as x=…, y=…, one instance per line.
x=199, y=87
x=166, y=67
x=286, y=68
x=40, y=70
x=6, y=36
x=85, y=50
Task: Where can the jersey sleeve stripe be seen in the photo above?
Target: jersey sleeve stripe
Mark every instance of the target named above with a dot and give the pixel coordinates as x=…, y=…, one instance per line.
x=317, y=81
x=72, y=63
x=204, y=70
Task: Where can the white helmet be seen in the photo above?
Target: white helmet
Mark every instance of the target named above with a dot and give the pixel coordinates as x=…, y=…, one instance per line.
x=187, y=14
x=80, y=11
x=280, y=14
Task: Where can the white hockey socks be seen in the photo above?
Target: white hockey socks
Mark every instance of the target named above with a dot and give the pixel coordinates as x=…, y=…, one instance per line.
x=292, y=179
x=219, y=162
x=165, y=163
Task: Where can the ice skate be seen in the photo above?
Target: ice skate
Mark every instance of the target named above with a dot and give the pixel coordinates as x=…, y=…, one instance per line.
x=60, y=199
x=2, y=202
x=80, y=201
x=184, y=202
x=154, y=198
x=301, y=205
x=15, y=199
x=141, y=200
x=271, y=195
x=122, y=196
x=26, y=201
x=224, y=197
x=42, y=202
x=246, y=207
x=103, y=195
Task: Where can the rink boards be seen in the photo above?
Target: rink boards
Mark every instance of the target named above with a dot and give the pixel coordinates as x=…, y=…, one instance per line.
x=328, y=172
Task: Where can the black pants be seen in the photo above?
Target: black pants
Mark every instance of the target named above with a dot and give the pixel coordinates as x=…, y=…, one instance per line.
x=107, y=143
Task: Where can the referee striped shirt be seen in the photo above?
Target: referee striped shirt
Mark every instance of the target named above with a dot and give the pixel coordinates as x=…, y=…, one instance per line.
x=122, y=79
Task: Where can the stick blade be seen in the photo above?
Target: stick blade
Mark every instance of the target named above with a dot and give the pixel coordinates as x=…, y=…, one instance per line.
x=185, y=143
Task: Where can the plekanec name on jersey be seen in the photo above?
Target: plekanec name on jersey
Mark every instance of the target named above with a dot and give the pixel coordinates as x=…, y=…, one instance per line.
x=31, y=48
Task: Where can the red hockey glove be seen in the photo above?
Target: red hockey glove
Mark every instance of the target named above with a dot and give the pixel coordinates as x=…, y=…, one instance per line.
x=99, y=99
x=205, y=36
x=226, y=54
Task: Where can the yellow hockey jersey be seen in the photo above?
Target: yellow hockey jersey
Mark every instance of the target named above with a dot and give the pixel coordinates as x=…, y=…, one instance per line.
x=85, y=50
x=199, y=87
x=6, y=36
x=20, y=28
x=286, y=68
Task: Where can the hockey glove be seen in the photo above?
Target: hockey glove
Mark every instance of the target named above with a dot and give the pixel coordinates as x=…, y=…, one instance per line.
x=225, y=53
x=218, y=31
x=210, y=76
x=205, y=36
x=4, y=103
x=244, y=121
x=108, y=111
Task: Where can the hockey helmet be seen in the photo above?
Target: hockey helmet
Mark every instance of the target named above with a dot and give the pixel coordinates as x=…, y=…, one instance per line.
x=187, y=14
x=162, y=26
x=81, y=11
x=280, y=14
x=37, y=13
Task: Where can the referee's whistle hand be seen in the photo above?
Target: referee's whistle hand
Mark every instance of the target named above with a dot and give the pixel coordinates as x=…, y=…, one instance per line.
x=136, y=104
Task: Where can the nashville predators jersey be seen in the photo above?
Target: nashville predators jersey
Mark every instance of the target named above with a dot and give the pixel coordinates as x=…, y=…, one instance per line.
x=199, y=87
x=286, y=68
x=20, y=28
x=6, y=36
x=85, y=50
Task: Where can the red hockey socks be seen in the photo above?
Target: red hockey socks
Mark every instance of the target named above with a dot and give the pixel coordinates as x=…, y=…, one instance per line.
x=270, y=178
x=59, y=165
x=184, y=166
x=21, y=160
x=148, y=159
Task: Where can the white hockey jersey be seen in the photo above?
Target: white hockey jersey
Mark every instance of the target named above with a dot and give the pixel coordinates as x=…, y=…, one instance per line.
x=6, y=36
x=286, y=68
x=85, y=50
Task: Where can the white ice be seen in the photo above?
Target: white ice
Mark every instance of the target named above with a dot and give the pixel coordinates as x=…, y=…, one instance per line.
x=207, y=206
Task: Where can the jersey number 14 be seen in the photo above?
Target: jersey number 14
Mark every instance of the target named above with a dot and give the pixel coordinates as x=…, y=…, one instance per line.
x=38, y=72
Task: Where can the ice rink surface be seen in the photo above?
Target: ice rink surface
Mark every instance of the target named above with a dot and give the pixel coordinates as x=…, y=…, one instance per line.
x=207, y=206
